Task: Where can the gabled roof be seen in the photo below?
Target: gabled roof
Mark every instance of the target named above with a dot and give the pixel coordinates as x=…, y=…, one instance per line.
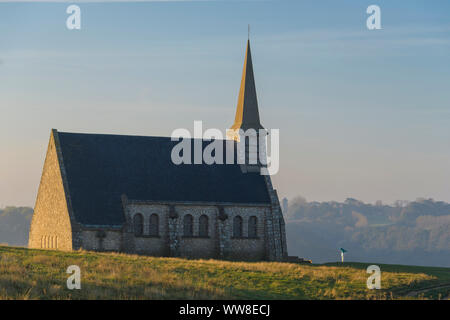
x=247, y=113
x=101, y=168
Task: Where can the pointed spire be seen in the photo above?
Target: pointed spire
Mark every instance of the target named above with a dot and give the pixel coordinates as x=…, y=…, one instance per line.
x=247, y=114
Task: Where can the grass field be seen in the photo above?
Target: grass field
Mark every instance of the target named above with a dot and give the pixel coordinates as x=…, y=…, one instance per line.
x=41, y=274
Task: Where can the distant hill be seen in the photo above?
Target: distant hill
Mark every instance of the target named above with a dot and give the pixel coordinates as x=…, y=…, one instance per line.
x=15, y=225
x=41, y=274
x=415, y=232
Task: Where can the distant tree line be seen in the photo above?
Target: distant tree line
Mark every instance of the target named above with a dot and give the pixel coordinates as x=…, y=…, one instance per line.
x=416, y=232
x=15, y=225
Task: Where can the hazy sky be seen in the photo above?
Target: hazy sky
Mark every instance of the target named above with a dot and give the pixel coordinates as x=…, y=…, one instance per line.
x=362, y=114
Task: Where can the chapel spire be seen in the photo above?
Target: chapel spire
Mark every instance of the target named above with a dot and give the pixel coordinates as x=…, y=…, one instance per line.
x=247, y=114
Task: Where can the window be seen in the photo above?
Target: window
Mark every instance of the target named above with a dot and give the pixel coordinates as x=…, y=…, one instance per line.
x=49, y=242
x=188, y=223
x=138, y=225
x=154, y=225
x=237, y=227
x=203, y=227
x=252, y=227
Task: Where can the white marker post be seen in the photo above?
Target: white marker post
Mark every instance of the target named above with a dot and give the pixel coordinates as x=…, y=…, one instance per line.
x=343, y=251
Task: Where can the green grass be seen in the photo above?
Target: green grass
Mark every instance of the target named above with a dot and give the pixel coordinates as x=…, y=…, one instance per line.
x=41, y=274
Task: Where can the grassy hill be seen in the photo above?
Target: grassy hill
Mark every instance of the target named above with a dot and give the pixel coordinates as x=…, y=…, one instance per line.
x=41, y=274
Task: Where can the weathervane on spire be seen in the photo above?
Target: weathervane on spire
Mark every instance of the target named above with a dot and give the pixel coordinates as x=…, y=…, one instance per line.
x=248, y=35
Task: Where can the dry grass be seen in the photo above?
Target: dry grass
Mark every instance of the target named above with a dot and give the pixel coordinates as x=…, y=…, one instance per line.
x=41, y=274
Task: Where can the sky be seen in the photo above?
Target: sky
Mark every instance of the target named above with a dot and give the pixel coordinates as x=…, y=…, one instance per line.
x=362, y=113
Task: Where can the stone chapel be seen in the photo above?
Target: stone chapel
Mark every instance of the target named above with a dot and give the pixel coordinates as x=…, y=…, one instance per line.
x=123, y=193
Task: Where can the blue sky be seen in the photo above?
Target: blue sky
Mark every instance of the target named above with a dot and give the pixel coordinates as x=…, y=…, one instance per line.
x=363, y=114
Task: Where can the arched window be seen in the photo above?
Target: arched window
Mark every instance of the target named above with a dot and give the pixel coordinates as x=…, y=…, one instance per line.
x=252, y=227
x=203, y=226
x=138, y=224
x=188, y=223
x=237, y=227
x=154, y=225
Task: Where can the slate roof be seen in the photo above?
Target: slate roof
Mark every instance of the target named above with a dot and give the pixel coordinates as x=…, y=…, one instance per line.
x=100, y=168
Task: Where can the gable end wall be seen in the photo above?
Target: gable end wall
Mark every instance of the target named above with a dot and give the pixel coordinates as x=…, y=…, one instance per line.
x=51, y=225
